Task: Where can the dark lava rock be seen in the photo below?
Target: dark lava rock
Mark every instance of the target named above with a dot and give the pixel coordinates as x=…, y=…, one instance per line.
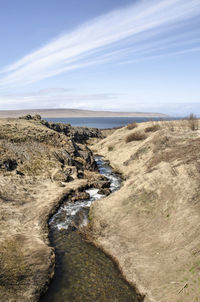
x=81, y=134
x=105, y=191
x=19, y=173
x=101, y=184
x=26, y=117
x=78, y=134
x=87, y=155
x=70, y=170
x=9, y=164
x=61, y=176
x=35, y=117
x=64, y=157
x=80, y=196
x=80, y=174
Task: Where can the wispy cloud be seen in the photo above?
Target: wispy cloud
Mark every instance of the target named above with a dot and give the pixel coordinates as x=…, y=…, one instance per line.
x=63, y=98
x=146, y=28
x=59, y=98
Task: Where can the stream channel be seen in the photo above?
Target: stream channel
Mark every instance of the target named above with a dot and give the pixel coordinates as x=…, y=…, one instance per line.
x=83, y=273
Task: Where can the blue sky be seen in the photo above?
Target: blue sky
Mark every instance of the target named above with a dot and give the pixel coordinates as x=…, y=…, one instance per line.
x=120, y=55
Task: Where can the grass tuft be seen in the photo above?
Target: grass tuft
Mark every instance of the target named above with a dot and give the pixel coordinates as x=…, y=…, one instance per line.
x=12, y=264
x=132, y=126
x=136, y=136
x=110, y=148
x=193, y=122
x=153, y=128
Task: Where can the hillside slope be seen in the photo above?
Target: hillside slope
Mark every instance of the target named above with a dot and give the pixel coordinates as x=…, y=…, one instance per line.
x=38, y=168
x=47, y=113
x=151, y=225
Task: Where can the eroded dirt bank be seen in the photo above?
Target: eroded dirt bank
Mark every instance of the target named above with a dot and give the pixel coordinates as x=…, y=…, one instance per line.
x=151, y=225
x=39, y=165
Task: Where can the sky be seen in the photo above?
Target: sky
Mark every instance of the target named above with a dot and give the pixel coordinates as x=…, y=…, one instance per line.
x=117, y=55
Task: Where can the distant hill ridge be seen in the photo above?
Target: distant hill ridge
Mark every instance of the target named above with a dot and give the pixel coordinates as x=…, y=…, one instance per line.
x=47, y=113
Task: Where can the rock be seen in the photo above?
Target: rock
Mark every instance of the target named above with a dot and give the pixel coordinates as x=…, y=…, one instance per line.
x=104, y=191
x=70, y=170
x=26, y=117
x=89, y=159
x=59, y=127
x=19, y=173
x=61, y=185
x=100, y=184
x=94, y=176
x=64, y=157
x=80, y=196
x=10, y=164
x=78, y=134
x=35, y=117
x=80, y=174
x=61, y=176
x=82, y=134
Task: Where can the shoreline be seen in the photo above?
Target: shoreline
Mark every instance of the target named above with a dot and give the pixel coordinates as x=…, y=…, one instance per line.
x=62, y=113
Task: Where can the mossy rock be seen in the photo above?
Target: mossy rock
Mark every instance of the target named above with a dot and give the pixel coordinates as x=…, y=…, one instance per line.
x=61, y=176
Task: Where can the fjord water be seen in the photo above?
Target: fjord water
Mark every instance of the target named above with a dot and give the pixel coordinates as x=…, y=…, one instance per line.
x=84, y=273
x=101, y=122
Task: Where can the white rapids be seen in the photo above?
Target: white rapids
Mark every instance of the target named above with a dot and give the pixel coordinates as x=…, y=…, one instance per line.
x=69, y=210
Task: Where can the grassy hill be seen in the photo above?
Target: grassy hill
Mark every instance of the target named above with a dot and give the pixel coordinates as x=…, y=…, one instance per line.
x=151, y=225
x=45, y=113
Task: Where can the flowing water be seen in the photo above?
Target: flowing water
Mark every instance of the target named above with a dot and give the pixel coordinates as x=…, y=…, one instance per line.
x=84, y=273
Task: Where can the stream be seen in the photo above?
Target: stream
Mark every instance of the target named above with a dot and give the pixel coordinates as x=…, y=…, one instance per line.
x=83, y=273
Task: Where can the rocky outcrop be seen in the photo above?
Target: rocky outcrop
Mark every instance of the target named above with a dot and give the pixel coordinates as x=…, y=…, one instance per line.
x=30, y=146
x=79, y=134
x=62, y=176
x=39, y=167
x=28, y=117
x=79, y=195
x=104, y=191
x=100, y=184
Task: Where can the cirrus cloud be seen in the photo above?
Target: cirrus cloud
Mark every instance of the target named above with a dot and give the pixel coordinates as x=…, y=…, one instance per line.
x=146, y=29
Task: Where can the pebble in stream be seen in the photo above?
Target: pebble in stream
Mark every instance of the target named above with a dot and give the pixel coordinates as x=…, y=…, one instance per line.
x=84, y=273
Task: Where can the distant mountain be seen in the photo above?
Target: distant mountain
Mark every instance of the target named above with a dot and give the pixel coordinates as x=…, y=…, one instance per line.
x=47, y=113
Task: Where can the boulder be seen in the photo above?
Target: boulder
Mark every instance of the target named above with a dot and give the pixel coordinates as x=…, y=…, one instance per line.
x=100, y=184
x=80, y=174
x=80, y=196
x=104, y=191
x=9, y=164
x=70, y=170
x=94, y=176
x=61, y=176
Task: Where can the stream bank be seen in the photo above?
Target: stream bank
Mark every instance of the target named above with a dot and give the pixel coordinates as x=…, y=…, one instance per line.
x=83, y=272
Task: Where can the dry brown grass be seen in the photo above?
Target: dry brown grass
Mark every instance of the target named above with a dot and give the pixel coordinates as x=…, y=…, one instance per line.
x=193, y=122
x=153, y=128
x=183, y=153
x=27, y=200
x=12, y=263
x=136, y=136
x=154, y=217
x=111, y=147
x=132, y=126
